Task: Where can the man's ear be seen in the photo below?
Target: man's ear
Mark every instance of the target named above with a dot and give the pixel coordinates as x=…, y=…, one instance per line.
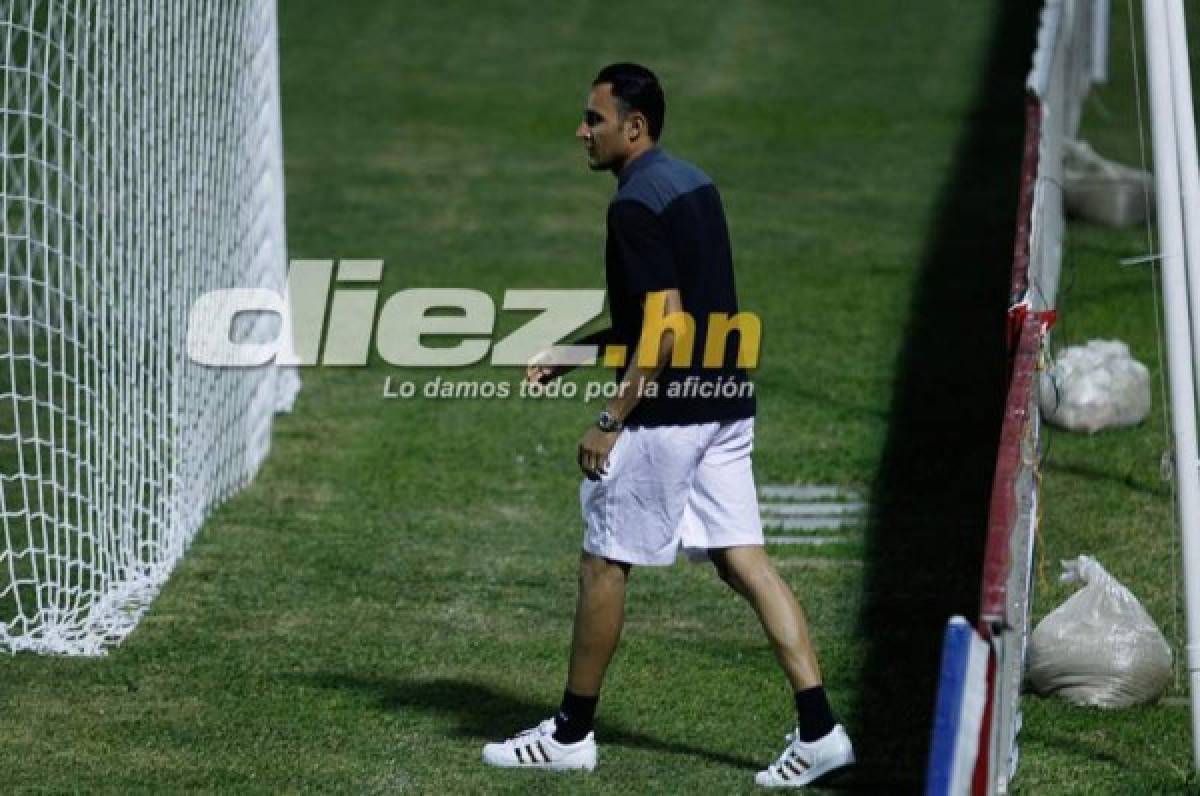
x=637, y=126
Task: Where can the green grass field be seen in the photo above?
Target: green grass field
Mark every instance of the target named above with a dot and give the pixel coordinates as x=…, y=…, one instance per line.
x=397, y=585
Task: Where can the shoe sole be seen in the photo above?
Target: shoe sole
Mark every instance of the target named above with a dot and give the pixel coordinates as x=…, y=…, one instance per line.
x=587, y=765
x=830, y=770
x=542, y=766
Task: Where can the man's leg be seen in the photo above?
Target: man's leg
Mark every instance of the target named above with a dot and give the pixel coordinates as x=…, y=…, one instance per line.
x=820, y=745
x=565, y=741
x=599, y=616
x=751, y=574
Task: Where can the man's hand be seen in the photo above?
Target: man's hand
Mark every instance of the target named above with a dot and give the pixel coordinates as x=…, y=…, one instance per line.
x=540, y=371
x=593, y=451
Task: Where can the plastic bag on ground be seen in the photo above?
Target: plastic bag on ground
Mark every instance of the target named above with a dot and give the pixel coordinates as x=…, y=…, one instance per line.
x=1102, y=191
x=1094, y=387
x=1099, y=647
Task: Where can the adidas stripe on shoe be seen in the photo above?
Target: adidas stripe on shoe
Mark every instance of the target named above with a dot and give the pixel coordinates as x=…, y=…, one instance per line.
x=536, y=748
x=803, y=763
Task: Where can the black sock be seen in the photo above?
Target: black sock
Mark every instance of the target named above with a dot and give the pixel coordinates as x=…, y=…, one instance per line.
x=575, y=717
x=813, y=714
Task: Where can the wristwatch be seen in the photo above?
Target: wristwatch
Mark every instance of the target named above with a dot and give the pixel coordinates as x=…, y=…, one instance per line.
x=608, y=422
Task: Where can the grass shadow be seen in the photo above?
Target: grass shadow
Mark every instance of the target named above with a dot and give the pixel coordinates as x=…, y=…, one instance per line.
x=925, y=535
x=1100, y=475
x=483, y=713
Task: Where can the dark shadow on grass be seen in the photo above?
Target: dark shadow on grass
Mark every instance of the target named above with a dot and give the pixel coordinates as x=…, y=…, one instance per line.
x=925, y=537
x=1090, y=473
x=483, y=713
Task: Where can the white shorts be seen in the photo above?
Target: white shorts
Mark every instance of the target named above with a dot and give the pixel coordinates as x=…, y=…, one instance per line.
x=673, y=486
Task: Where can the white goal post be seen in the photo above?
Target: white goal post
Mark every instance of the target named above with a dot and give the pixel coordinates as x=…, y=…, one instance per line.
x=140, y=166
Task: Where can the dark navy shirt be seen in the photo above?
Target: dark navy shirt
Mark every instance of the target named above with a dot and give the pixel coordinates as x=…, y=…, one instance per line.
x=666, y=229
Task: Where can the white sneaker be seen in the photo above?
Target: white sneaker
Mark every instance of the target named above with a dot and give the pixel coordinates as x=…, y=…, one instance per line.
x=536, y=748
x=801, y=763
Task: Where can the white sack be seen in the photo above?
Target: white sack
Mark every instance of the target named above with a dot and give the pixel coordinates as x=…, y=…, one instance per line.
x=1105, y=192
x=1094, y=387
x=1099, y=647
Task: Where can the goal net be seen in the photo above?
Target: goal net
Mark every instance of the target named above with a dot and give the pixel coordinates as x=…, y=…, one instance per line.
x=140, y=166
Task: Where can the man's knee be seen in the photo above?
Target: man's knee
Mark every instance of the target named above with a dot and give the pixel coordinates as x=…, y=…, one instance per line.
x=745, y=569
x=598, y=571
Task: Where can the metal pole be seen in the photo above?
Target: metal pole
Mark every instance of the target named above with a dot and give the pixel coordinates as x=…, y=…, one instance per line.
x=1175, y=301
x=1189, y=184
x=1100, y=17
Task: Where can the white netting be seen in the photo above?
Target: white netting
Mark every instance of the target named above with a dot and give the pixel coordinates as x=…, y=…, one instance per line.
x=140, y=167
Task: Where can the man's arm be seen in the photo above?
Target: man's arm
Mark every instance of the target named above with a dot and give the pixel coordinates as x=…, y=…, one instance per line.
x=596, y=444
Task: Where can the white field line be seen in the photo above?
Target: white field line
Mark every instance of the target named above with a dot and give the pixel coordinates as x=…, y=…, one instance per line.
x=806, y=508
x=800, y=562
x=808, y=523
x=806, y=492
x=812, y=509
x=807, y=540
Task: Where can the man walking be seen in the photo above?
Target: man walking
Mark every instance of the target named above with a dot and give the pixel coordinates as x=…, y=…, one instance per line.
x=667, y=463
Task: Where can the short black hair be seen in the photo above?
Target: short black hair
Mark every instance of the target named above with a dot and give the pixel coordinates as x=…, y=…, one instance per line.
x=636, y=88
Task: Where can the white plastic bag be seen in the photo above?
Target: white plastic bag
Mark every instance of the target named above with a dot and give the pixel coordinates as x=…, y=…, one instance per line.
x=1094, y=387
x=1099, y=647
x=1103, y=191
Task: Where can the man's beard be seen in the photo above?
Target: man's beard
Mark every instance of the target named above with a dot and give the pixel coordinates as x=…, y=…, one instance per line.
x=608, y=164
